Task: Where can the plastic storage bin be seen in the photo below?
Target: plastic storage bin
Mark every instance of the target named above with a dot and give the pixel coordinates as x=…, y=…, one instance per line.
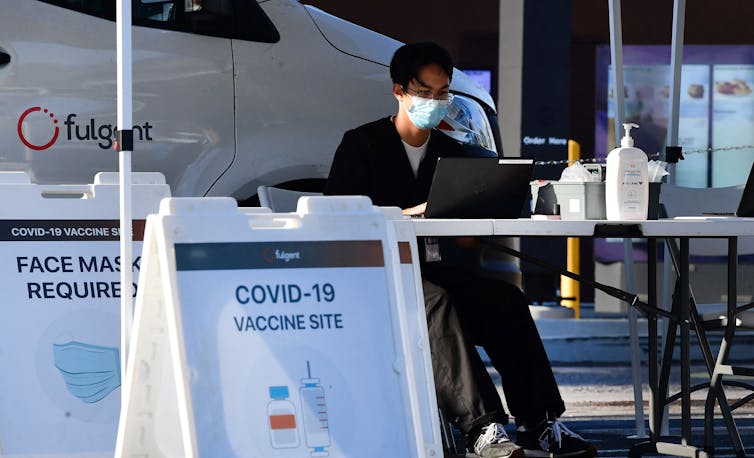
x=580, y=201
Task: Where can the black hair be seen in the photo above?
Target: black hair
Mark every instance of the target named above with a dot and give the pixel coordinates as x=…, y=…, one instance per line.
x=408, y=59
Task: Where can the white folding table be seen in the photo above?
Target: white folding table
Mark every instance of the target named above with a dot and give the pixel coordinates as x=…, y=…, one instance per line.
x=684, y=229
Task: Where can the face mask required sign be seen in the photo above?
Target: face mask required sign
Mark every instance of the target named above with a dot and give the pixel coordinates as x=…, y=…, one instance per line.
x=60, y=332
x=291, y=348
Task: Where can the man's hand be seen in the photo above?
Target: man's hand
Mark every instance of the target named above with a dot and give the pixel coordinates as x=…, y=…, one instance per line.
x=413, y=211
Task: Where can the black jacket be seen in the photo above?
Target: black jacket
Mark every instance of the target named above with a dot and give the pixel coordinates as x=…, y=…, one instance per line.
x=371, y=161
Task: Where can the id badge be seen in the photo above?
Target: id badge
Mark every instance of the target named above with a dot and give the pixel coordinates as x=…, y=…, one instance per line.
x=432, y=249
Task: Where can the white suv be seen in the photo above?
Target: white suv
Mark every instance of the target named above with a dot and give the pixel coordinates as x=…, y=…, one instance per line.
x=228, y=94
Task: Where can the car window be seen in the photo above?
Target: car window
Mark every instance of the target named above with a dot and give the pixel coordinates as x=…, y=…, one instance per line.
x=101, y=8
x=242, y=19
x=155, y=11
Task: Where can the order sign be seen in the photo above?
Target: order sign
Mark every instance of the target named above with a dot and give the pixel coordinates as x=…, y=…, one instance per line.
x=291, y=348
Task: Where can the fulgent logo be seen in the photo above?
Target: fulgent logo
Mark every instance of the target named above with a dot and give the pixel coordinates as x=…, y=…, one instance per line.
x=271, y=255
x=88, y=130
x=55, y=131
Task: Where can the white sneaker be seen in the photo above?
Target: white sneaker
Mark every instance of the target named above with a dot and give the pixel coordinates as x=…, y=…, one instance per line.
x=494, y=442
x=552, y=439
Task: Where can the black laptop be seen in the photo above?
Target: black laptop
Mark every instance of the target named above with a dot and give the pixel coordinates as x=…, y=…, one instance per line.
x=746, y=204
x=479, y=187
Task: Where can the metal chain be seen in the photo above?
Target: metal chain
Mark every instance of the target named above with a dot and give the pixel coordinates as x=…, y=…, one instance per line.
x=588, y=160
x=714, y=150
x=593, y=160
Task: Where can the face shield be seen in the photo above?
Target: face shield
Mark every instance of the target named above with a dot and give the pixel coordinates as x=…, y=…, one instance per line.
x=467, y=123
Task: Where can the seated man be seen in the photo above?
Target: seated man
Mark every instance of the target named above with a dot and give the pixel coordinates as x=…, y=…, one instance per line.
x=392, y=160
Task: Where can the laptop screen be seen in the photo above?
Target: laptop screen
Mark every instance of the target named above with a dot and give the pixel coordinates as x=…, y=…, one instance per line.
x=479, y=187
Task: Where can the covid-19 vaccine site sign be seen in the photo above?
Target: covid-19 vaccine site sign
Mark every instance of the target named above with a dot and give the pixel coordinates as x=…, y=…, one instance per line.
x=274, y=335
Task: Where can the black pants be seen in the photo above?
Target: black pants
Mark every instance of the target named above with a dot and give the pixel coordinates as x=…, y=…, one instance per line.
x=464, y=310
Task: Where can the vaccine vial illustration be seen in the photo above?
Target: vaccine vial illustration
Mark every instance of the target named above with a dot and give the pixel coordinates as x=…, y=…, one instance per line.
x=314, y=415
x=281, y=415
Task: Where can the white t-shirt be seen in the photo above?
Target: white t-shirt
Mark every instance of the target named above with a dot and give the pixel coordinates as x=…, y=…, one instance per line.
x=415, y=155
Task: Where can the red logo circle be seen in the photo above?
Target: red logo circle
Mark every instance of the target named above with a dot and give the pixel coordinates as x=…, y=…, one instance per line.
x=27, y=142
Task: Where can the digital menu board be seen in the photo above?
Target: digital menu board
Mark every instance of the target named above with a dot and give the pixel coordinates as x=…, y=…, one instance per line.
x=716, y=109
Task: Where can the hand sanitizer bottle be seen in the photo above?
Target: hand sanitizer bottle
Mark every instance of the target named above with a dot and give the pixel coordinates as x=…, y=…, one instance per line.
x=626, y=187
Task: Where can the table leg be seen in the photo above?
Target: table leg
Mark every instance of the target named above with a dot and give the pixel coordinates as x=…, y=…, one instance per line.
x=714, y=368
x=721, y=366
x=654, y=395
x=667, y=363
x=685, y=344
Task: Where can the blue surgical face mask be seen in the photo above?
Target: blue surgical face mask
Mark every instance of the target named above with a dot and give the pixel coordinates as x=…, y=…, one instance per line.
x=426, y=113
x=90, y=372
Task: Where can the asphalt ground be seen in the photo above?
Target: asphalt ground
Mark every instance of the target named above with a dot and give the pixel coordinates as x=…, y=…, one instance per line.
x=614, y=437
x=600, y=407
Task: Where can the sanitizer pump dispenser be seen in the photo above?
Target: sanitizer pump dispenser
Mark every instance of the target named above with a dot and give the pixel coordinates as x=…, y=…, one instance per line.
x=626, y=187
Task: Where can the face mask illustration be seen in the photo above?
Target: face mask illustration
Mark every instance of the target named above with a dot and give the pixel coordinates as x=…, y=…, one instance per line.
x=90, y=372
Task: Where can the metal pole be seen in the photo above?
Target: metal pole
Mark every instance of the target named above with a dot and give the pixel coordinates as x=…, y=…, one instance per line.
x=654, y=394
x=685, y=344
x=633, y=328
x=676, y=62
x=668, y=280
x=570, y=288
x=616, y=56
x=124, y=147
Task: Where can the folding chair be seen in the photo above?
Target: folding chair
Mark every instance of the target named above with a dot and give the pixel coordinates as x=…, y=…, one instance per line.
x=281, y=200
x=680, y=201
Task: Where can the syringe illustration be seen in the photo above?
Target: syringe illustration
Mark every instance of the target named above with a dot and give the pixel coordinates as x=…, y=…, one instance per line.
x=314, y=415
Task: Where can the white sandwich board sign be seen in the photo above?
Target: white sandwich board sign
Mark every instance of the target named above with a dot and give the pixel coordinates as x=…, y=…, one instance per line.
x=60, y=325
x=417, y=328
x=273, y=335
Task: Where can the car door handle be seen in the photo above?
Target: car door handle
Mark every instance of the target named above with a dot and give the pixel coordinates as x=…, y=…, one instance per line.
x=4, y=58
